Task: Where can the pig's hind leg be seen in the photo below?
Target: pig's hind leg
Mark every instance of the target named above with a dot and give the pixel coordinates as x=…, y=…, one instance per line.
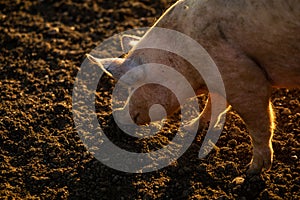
x=249, y=94
x=258, y=116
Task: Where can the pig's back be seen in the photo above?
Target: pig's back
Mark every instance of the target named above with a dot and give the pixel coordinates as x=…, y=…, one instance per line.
x=267, y=31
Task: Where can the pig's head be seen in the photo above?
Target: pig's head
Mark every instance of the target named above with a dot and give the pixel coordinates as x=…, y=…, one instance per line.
x=150, y=102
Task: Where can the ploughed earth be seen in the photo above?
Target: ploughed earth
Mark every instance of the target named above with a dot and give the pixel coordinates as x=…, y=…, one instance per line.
x=42, y=156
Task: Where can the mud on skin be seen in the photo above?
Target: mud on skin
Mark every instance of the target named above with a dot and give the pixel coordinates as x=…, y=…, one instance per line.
x=41, y=156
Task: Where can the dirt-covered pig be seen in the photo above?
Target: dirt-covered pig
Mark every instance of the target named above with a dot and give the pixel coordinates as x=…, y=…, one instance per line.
x=255, y=45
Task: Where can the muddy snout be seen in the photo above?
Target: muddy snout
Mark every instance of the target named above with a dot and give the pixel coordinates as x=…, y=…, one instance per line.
x=124, y=117
x=140, y=117
x=149, y=103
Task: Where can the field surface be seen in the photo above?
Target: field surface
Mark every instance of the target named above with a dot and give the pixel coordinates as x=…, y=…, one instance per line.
x=42, y=45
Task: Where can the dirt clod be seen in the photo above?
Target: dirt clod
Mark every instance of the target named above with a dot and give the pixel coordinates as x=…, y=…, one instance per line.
x=42, y=45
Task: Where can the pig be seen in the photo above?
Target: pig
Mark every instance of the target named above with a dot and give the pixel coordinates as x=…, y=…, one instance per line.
x=256, y=47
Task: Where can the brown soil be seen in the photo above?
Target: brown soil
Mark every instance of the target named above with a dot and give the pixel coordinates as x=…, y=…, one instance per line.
x=43, y=44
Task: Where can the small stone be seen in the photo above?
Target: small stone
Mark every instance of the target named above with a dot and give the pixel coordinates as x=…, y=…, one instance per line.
x=286, y=111
x=238, y=180
x=232, y=143
x=53, y=31
x=294, y=102
x=294, y=157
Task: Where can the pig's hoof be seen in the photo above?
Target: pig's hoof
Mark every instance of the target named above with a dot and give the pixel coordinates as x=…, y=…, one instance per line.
x=262, y=159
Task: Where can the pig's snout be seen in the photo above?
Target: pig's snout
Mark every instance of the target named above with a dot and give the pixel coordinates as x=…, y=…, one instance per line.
x=144, y=117
x=123, y=117
x=140, y=117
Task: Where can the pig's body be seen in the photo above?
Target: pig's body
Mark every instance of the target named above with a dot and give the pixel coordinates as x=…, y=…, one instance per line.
x=255, y=45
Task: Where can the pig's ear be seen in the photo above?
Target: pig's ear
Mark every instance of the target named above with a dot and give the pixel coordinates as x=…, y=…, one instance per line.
x=128, y=42
x=103, y=63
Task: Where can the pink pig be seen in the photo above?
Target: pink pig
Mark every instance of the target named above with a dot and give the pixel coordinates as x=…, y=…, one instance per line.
x=255, y=45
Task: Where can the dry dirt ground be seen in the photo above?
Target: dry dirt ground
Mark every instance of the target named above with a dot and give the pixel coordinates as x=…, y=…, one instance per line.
x=43, y=43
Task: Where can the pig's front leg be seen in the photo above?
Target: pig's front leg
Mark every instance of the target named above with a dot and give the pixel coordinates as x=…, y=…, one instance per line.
x=202, y=119
x=205, y=116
